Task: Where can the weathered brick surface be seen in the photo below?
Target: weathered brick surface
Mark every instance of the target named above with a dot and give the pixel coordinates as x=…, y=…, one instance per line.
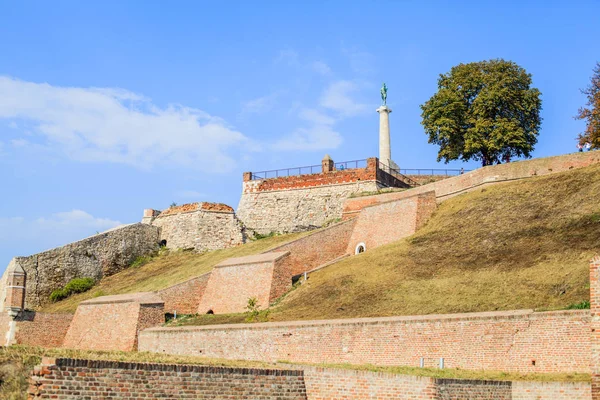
x=184, y=297
x=318, y=248
x=83, y=379
x=508, y=341
x=454, y=389
x=97, y=256
x=113, y=322
x=199, y=226
x=328, y=383
x=487, y=175
x=42, y=329
x=551, y=390
x=235, y=280
x=595, y=325
x=384, y=223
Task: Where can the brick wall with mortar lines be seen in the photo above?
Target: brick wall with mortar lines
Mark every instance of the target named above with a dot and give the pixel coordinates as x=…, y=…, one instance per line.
x=200, y=226
x=384, y=223
x=42, y=329
x=79, y=379
x=507, y=341
x=229, y=287
x=184, y=298
x=111, y=325
x=97, y=256
x=595, y=325
x=453, y=389
x=318, y=248
x=487, y=175
x=522, y=390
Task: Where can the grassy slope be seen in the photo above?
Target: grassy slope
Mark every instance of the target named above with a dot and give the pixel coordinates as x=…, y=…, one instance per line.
x=509, y=246
x=166, y=270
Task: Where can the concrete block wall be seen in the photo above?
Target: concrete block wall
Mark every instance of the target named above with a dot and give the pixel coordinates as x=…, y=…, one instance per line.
x=235, y=280
x=113, y=322
x=519, y=341
x=85, y=379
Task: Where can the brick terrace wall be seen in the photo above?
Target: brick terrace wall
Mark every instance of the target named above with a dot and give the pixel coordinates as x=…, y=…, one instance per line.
x=309, y=252
x=551, y=390
x=453, y=389
x=111, y=325
x=42, y=329
x=329, y=383
x=507, y=341
x=384, y=223
x=425, y=179
x=230, y=286
x=78, y=379
x=184, y=298
x=487, y=175
x=595, y=325
x=97, y=256
x=303, y=202
x=200, y=226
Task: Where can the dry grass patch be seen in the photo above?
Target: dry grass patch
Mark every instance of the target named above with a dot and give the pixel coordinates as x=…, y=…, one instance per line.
x=167, y=269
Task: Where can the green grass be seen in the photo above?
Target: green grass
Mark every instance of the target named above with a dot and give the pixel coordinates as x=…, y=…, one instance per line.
x=166, y=269
x=515, y=245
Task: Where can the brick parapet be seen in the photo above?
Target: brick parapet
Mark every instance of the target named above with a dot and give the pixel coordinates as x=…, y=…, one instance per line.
x=595, y=325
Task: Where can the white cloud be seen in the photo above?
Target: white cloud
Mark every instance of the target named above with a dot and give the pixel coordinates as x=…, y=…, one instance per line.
x=189, y=194
x=260, y=104
x=317, y=137
x=75, y=219
x=321, y=68
x=114, y=125
x=338, y=97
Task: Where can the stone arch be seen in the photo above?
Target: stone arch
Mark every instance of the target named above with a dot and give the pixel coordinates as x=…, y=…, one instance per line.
x=360, y=248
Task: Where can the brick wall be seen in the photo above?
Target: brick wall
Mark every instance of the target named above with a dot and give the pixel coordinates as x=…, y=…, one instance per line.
x=507, y=341
x=84, y=379
x=453, y=389
x=316, y=249
x=199, y=226
x=235, y=280
x=487, y=175
x=523, y=390
x=184, y=298
x=97, y=256
x=425, y=179
x=113, y=322
x=595, y=325
x=42, y=329
x=384, y=223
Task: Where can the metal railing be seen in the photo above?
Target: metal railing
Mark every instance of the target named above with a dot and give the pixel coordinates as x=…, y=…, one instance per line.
x=307, y=170
x=433, y=171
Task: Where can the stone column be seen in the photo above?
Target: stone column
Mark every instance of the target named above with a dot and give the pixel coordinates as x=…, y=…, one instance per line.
x=385, y=150
x=327, y=164
x=595, y=325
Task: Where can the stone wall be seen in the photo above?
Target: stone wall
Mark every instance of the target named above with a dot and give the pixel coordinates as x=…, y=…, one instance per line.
x=235, y=280
x=521, y=341
x=453, y=389
x=184, y=298
x=97, y=256
x=113, y=322
x=318, y=248
x=84, y=379
x=483, y=176
x=383, y=223
x=198, y=226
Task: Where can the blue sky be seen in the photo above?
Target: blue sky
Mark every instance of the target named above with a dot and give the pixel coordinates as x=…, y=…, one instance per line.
x=107, y=108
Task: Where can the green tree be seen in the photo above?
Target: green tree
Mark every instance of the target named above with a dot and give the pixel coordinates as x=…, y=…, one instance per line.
x=484, y=111
x=591, y=113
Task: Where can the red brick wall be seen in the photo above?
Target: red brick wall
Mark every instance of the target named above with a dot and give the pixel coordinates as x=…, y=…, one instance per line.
x=184, y=297
x=486, y=175
x=42, y=329
x=595, y=325
x=507, y=341
x=84, y=379
x=318, y=248
x=453, y=389
x=387, y=222
x=522, y=390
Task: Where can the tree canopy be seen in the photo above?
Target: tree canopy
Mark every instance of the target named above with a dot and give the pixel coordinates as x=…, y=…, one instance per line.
x=484, y=111
x=591, y=113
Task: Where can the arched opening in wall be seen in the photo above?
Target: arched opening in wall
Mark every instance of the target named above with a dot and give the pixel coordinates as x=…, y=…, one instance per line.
x=360, y=248
x=210, y=312
x=163, y=243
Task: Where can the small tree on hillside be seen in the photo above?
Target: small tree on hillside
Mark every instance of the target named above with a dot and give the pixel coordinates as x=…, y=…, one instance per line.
x=591, y=113
x=484, y=111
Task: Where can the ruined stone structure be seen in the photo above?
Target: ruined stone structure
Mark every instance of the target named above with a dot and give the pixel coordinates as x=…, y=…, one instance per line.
x=197, y=226
x=302, y=202
x=98, y=256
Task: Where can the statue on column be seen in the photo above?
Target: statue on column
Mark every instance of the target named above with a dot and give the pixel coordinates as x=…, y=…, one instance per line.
x=384, y=94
